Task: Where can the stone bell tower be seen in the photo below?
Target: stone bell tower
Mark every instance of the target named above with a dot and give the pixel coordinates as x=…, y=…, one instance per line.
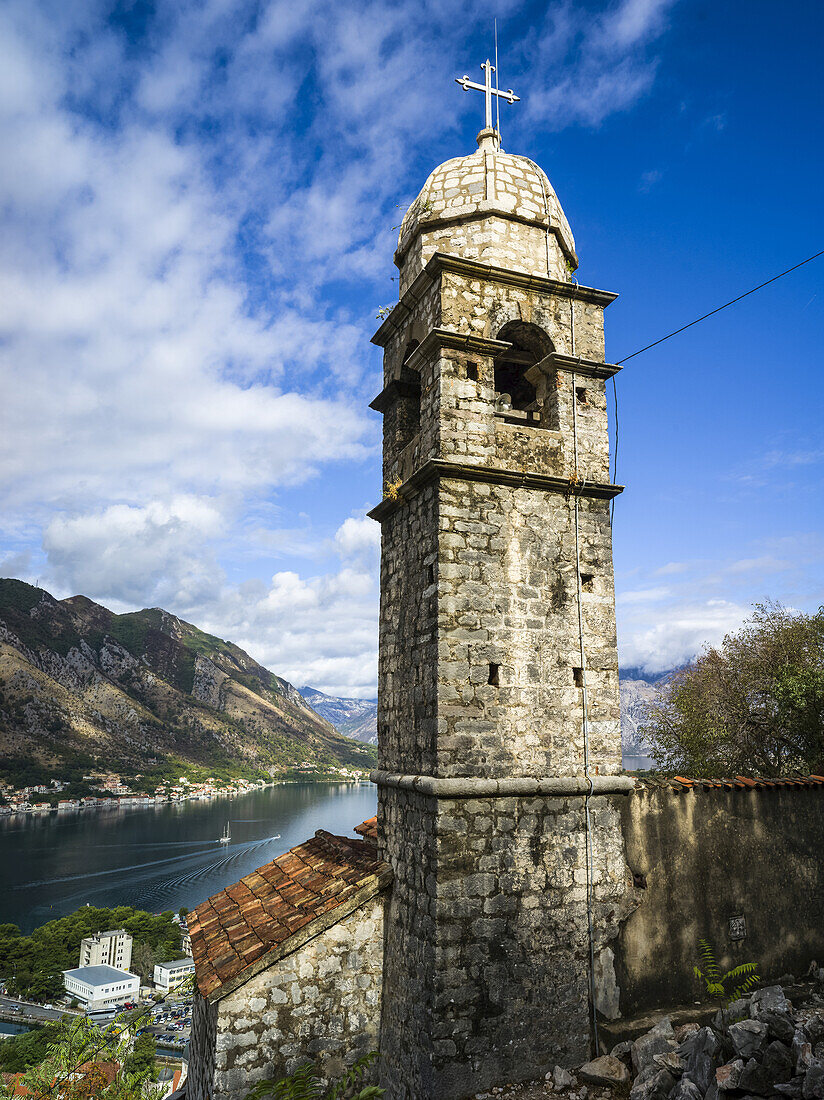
x=498, y=725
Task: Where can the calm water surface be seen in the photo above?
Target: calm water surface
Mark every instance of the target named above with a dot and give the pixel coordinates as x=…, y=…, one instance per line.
x=160, y=857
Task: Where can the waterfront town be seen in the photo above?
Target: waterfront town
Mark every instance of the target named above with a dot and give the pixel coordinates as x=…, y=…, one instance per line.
x=114, y=791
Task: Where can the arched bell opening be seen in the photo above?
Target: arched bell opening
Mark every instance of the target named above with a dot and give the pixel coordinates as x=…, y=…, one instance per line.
x=530, y=344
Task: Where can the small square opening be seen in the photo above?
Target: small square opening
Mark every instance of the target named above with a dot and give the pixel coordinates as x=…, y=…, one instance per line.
x=494, y=674
x=578, y=677
x=581, y=395
x=587, y=580
x=472, y=372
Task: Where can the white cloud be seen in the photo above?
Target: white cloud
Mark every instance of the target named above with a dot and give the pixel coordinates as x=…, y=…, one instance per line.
x=678, y=635
x=643, y=595
x=172, y=214
x=662, y=627
x=126, y=554
x=594, y=65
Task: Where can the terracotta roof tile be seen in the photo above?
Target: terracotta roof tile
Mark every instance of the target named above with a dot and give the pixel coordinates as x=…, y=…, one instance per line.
x=368, y=828
x=237, y=926
x=739, y=783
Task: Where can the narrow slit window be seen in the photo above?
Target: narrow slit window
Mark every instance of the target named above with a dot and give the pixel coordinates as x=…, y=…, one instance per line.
x=587, y=580
x=494, y=674
x=578, y=677
x=472, y=372
x=430, y=574
x=581, y=395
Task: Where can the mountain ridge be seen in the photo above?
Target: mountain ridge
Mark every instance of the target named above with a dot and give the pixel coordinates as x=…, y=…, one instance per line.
x=355, y=718
x=80, y=683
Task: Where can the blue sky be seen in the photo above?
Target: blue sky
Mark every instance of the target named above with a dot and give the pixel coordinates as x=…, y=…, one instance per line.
x=197, y=203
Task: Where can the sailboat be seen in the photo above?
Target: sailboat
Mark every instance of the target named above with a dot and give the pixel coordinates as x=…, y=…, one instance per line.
x=225, y=838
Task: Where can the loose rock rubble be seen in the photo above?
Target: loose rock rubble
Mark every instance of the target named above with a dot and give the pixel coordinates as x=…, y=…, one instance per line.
x=762, y=1047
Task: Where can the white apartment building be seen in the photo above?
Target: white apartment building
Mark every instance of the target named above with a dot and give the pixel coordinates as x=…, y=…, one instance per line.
x=101, y=987
x=172, y=974
x=107, y=949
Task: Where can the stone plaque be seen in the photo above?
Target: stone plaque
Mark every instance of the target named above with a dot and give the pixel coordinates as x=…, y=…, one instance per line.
x=738, y=928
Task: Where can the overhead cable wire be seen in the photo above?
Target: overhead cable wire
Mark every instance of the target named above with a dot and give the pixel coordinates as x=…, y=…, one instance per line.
x=684, y=328
x=726, y=305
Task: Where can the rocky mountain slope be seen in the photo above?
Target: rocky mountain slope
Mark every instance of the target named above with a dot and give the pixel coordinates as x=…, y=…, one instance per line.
x=637, y=688
x=80, y=685
x=357, y=718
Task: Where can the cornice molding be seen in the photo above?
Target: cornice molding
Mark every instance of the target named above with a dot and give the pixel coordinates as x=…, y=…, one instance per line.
x=473, y=269
x=471, y=787
x=436, y=468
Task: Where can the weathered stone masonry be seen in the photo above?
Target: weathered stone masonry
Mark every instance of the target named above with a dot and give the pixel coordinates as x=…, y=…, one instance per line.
x=289, y=967
x=472, y=968
x=495, y=439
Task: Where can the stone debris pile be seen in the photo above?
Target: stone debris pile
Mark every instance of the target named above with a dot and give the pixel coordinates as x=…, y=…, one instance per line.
x=761, y=1047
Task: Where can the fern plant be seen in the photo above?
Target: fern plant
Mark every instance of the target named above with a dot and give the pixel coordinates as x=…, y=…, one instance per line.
x=717, y=983
x=305, y=1084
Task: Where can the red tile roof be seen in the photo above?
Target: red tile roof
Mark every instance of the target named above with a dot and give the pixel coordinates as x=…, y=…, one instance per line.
x=368, y=829
x=740, y=782
x=255, y=917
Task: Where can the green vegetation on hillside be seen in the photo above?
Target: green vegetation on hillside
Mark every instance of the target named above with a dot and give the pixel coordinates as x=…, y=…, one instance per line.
x=32, y=966
x=18, y=1052
x=753, y=706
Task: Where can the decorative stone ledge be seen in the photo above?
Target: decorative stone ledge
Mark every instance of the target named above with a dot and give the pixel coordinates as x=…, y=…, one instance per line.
x=506, y=788
x=465, y=471
x=473, y=269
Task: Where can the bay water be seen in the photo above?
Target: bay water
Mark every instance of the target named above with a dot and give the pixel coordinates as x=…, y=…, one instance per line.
x=161, y=857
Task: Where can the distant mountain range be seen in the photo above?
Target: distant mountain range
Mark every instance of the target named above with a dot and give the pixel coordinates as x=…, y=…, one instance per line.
x=81, y=686
x=356, y=718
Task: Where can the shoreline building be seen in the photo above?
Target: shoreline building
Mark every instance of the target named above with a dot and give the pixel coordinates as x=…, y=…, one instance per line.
x=107, y=949
x=171, y=975
x=100, y=987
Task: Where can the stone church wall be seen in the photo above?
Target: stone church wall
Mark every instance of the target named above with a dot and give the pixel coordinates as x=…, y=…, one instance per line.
x=320, y=1004
x=708, y=857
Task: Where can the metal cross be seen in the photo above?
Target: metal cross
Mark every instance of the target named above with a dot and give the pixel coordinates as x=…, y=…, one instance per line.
x=489, y=91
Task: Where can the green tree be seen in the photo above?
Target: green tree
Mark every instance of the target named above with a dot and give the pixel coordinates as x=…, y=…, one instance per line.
x=75, y=1067
x=18, y=1052
x=144, y=958
x=752, y=706
x=142, y=1058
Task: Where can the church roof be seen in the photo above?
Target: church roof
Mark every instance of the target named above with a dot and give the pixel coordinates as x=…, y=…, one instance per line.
x=489, y=182
x=271, y=911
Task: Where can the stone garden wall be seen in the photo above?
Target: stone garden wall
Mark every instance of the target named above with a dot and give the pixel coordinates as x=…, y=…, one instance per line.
x=744, y=869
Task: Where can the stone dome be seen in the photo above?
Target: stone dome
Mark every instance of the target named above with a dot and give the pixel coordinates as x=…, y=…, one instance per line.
x=488, y=186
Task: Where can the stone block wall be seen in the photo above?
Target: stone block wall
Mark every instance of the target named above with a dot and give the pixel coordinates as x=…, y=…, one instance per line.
x=322, y=1003
x=520, y=246
x=507, y=597
x=708, y=856
x=487, y=941
x=408, y=635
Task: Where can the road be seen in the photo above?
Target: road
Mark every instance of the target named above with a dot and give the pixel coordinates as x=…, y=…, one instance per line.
x=15, y=1010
